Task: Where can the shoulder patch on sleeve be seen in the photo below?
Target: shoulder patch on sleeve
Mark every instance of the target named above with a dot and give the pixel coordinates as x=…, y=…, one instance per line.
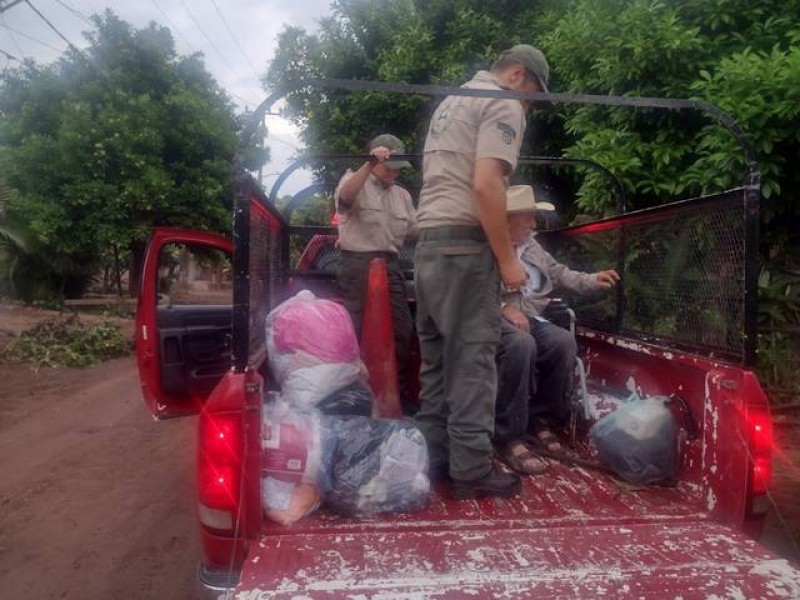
x=507, y=131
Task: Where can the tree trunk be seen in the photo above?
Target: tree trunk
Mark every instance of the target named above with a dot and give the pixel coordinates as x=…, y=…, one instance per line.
x=135, y=271
x=117, y=271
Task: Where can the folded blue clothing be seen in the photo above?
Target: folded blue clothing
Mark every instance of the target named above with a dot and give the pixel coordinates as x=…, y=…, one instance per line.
x=355, y=399
x=374, y=465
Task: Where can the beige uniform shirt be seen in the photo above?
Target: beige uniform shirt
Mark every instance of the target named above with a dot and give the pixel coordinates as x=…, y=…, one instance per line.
x=462, y=130
x=378, y=220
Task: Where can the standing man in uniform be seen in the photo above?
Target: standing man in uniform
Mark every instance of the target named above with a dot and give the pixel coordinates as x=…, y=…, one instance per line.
x=463, y=254
x=375, y=216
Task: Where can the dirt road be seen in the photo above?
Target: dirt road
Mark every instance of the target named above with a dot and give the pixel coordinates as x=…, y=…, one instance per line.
x=96, y=499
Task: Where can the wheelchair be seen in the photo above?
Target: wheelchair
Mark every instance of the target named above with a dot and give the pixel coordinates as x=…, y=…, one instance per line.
x=559, y=313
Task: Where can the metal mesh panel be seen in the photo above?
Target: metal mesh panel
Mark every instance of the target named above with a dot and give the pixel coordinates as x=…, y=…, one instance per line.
x=314, y=249
x=683, y=269
x=275, y=268
x=259, y=283
x=588, y=251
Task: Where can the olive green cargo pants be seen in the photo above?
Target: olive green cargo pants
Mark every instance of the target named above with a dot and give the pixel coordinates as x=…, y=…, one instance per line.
x=458, y=321
x=352, y=279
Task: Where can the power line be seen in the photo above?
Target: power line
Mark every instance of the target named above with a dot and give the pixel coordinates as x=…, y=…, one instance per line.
x=81, y=53
x=53, y=27
x=189, y=45
x=235, y=39
x=10, y=56
x=88, y=5
x=33, y=39
x=101, y=72
x=70, y=45
x=9, y=5
x=205, y=35
x=75, y=12
x=171, y=24
x=12, y=36
x=291, y=145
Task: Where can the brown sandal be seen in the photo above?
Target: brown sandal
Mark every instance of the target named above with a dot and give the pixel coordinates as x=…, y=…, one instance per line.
x=519, y=457
x=547, y=440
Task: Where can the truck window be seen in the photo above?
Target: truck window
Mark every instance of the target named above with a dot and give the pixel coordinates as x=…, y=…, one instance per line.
x=193, y=275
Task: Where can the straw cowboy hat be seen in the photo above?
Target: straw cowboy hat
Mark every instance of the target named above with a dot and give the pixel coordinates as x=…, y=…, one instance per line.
x=521, y=199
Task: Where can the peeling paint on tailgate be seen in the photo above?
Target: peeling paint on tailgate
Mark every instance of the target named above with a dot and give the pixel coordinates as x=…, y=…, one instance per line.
x=690, y=560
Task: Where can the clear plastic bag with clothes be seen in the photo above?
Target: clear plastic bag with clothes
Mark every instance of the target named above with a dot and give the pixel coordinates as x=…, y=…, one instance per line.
x=639, y=440
x=312, y=349
x=355, y=399
x=291, y=461
x=374, y=465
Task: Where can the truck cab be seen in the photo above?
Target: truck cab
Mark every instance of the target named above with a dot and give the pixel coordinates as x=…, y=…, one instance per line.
x=680, y=326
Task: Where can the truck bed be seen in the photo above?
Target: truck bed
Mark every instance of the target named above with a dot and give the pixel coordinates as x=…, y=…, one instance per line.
x=572, y=533
x=565, y=495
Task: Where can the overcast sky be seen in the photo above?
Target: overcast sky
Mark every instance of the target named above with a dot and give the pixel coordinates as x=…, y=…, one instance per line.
x=196, y=26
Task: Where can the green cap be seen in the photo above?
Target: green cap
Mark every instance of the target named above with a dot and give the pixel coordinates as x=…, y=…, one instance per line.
x=393, y=143
x=532, y=59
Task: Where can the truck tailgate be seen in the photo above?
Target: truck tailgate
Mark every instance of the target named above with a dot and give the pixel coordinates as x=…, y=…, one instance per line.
x=679, y=559
x=573, y=534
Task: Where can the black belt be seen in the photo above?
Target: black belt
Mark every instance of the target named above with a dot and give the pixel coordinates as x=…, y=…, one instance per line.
x=369, y=254
x=452, y=232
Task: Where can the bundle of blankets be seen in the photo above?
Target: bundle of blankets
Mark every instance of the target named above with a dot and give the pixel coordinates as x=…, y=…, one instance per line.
x=320, y=443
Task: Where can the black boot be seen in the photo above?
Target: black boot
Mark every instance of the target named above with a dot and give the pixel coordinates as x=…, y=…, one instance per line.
x=495, y=483
x=439, y=472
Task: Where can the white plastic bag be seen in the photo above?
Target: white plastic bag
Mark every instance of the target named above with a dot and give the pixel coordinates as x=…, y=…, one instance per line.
x=291, y=448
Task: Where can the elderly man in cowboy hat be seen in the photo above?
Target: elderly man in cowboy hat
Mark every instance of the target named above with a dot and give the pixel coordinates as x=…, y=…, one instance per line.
x=536, y=358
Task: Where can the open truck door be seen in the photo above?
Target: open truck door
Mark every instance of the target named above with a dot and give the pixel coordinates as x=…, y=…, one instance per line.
x=183, y=319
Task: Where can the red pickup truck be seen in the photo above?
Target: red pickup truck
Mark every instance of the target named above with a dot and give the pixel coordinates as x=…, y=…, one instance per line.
x=681, y=325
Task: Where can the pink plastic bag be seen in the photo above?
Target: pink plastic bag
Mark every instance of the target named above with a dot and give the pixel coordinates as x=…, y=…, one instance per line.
x=312, y=349
x=318, y=327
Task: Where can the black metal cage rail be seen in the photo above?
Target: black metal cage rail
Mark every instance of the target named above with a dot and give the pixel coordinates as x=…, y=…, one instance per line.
x=738, y=209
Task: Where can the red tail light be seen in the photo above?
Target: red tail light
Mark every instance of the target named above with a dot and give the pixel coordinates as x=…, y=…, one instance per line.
x=759, y=423
x=221, y=437
x=218, y=470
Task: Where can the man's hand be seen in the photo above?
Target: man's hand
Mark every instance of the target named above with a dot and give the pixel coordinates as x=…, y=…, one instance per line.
x=512, y=275
x=349, y=188
x=379, y=154
x=517, y=318
x=606, y=279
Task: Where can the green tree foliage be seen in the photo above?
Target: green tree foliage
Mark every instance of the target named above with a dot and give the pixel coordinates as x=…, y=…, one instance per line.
x=738, y=54
x=315, y=209
x=439, y=41
x=104, y=145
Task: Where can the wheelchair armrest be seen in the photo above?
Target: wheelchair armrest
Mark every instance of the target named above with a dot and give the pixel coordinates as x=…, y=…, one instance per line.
x=559, y=313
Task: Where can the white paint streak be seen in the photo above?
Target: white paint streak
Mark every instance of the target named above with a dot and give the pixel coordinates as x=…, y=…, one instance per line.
x=711, y=499
x=784, y=579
